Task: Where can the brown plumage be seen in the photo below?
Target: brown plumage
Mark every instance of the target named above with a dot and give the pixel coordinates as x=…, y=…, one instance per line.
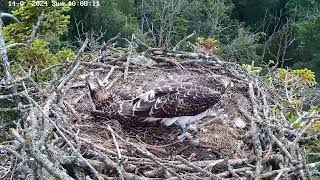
x=174, y=100
x=171, y=101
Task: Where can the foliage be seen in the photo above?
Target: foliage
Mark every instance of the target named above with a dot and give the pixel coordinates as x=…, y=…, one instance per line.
x=251, y=68
x=168, y=21
x=63, y=54
x=299, y=21
x=209, y=44
x=54, y=23
x=234, y=28
x=237, y=24
x=211, y=18
x=290, y=27
x=256, y=12
x=303, y=9
x=39, y=55
x=39, y=52
x=243, y=48
x=314, y=146
x=308, y=43
x=112, y=17
x=304, y=76
x=163, y=20
x=295, y=86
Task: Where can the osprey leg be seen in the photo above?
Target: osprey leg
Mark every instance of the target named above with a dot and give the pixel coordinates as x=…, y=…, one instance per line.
x=184, y=134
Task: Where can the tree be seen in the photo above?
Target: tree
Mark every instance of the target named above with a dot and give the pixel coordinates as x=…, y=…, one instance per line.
x=112, y=17
x=36, y=37
x=308, y=44
x=305, y=52
x=212, y=18
x=3, y=48
x=161, y=19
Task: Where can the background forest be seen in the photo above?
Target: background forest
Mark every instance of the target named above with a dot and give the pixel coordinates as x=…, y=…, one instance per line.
x=284, y=31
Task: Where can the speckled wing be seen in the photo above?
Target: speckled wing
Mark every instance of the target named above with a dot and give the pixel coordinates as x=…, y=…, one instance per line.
x=174, y=100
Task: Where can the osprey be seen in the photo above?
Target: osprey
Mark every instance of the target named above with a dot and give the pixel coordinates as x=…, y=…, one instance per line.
x=170, y=102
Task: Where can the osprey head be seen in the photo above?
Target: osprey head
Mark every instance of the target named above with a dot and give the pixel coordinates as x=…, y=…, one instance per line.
x=98, y=93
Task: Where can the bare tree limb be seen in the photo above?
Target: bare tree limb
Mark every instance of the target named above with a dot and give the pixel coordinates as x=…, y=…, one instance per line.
x=183, y=40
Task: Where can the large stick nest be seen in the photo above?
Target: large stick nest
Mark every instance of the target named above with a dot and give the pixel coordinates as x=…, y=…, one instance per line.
x=58, y=137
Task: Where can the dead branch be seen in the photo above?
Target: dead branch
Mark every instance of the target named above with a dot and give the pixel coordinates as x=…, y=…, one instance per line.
x=190, y=164
x=42, y=159
x=95, y=172
x=74, y=66
x=35, y=28
x=183, y=40
x=115, y=142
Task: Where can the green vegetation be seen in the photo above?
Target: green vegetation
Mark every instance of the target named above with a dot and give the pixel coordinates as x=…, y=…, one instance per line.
x=43, y=49
x=285, y=31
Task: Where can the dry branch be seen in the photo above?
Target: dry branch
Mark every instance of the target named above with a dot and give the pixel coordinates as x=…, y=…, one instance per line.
x=190, y=164
x=35, y=29
x=74, y=66
x=183, y=40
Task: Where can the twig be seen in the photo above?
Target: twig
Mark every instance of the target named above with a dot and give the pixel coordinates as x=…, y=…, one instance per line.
x=17, y=136
x=21, y=108
x=283, y=149
x=231, y=170
x=3, y=50
x=126, y=69
x=114, y=81
x=105, y=81
x=93, y=170
x=35, y=29
x=49, y=166
x=109, y=162
x=255, y=134
x=112, y=39
x=289, y=169
x=190, y=164
x=16, y=45
x=15, y=153
x=75, y=67
x=308, y=126
x=278, y=176
x=150, y=155
x=96, y=64
x=139, y=41
x=76, y=115
x=239, y=170
x=115, y=142
x=183, y=40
